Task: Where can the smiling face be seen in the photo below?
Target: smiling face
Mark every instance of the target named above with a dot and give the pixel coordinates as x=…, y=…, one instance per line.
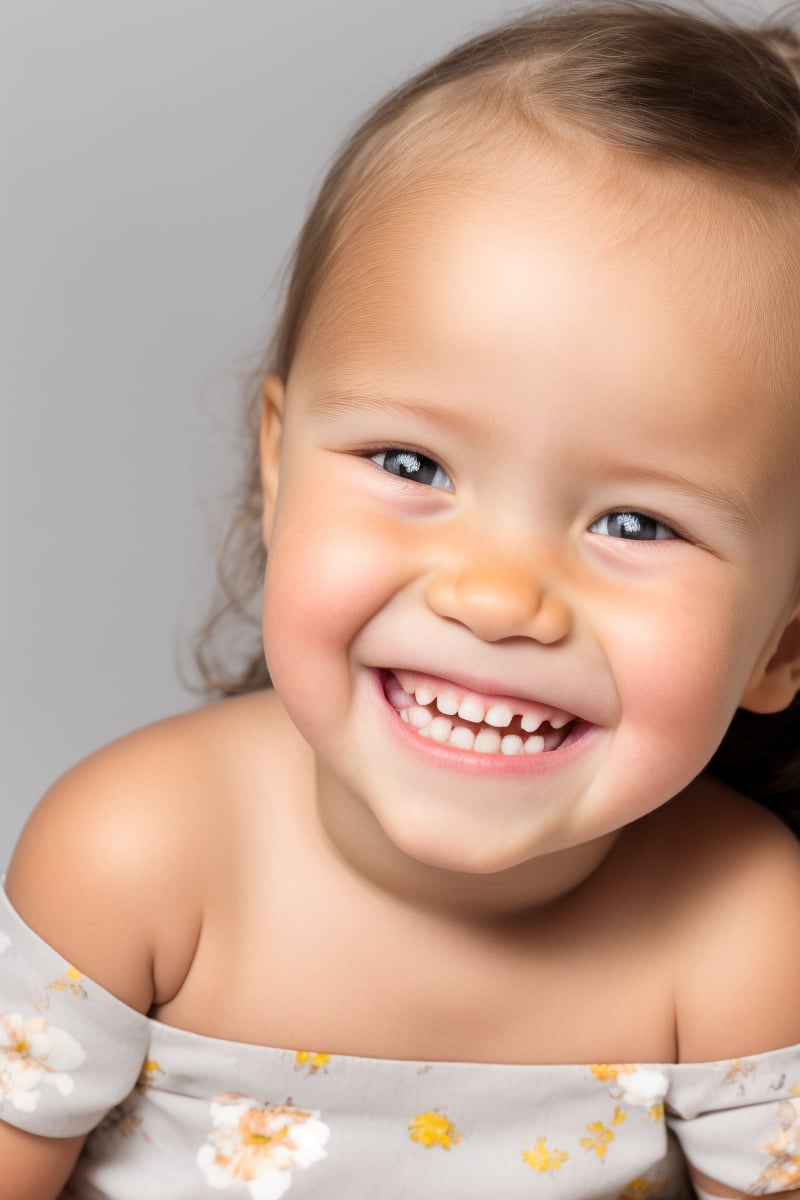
x=525, y=474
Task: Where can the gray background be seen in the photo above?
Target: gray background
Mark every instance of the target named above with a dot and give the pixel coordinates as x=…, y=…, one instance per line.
x=157, y=159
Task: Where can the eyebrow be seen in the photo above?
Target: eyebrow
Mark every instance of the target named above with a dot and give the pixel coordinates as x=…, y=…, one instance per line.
x=343, y=402
x=731, y=505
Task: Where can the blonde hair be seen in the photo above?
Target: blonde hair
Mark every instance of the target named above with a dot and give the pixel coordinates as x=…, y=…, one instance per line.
x=643, y=77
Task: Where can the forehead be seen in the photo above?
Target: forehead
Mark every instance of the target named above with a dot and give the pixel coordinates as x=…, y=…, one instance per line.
x=552, y=279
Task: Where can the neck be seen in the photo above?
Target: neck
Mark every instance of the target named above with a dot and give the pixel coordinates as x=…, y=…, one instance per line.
x=361, y=845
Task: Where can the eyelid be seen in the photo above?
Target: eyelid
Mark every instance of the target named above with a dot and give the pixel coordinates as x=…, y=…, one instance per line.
x=369, y=453
x=676, y=530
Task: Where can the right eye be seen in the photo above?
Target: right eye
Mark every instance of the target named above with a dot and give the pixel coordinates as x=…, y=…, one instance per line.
x=410, y=464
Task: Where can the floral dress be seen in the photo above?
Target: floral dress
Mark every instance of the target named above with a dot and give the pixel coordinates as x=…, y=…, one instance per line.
x=176, y=1115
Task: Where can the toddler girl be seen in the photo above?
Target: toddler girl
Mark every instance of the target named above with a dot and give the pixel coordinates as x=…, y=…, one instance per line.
x=458, y=907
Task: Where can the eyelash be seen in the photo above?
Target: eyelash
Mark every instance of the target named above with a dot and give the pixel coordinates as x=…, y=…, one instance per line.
x=676, y=534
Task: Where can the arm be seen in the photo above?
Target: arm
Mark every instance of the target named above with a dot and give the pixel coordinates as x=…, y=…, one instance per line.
x=34, y=1168
x=94, y=869
x=739, y=987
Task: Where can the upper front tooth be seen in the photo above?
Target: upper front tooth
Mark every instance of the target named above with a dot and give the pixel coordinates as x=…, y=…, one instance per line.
x=447, y=703
x=424, y=693
x=499, y=715
x=471, y=709
x=530, y=723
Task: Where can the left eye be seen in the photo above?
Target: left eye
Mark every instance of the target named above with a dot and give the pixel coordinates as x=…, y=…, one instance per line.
x=409, y=464
x=634, y=526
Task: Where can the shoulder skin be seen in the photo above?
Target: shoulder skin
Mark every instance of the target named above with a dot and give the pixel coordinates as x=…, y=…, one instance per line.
x=735, y=885
x=111, y=867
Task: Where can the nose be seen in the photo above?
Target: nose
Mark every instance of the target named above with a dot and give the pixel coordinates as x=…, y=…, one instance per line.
x=498, y=602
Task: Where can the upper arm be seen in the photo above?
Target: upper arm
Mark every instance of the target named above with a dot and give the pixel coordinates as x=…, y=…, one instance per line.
x=738, y=985
x=34, y=1168
x=103, y=858
x=95, y=871
x=739, y=988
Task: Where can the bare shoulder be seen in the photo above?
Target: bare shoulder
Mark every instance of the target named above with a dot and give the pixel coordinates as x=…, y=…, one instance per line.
x=734, y=884
x=139, y=829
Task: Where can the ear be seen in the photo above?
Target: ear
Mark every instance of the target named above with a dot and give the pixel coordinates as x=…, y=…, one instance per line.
x=773, y=687
x=272, y=393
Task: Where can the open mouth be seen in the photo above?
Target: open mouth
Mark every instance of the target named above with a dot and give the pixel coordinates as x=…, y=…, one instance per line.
x=454, y=716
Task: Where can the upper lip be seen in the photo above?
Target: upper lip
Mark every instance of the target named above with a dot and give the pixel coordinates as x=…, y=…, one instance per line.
x=506, y=689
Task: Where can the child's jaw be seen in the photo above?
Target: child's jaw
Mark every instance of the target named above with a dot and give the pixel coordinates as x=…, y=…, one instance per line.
x=466, y=720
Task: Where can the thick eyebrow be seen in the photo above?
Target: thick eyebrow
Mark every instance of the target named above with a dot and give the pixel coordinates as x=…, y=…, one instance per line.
x=731, y=505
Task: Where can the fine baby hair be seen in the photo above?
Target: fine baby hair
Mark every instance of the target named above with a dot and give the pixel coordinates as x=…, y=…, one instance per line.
x=669, y=86
x=480, y=878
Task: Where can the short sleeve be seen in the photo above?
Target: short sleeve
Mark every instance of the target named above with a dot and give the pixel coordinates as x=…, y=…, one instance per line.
x=69, y=1050
x=738, y=1121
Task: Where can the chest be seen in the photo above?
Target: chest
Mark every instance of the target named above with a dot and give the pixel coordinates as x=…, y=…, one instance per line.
x=325, y=969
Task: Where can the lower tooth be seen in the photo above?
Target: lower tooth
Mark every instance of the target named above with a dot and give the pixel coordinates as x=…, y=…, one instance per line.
x=511, y=744
x=487, y=741
x=439, y=729
x=418, y=716
x=534, y=745
x=462, y=737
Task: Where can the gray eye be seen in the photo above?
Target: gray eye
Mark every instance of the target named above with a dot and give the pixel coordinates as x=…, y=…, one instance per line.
x=633, y=526
x=409, y=464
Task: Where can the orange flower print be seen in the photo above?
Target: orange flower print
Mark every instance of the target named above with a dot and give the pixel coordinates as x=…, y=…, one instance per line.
x=784, y=1149
x=33, y=1052
x=433, y=1129
x=260, y=1145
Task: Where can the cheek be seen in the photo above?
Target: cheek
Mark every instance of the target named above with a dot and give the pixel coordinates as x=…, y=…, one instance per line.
x=327, y=575
x=680, y=672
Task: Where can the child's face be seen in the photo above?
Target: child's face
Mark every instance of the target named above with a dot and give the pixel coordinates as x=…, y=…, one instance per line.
x=520, y=456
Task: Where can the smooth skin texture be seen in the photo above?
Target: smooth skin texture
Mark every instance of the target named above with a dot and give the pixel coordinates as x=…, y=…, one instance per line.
x=549, y=364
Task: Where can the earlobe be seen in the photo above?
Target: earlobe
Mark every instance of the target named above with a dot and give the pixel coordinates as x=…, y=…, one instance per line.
x=272, y=393
x=773, y=687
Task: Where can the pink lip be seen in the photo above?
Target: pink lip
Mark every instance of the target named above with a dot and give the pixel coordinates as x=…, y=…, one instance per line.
x=472, y=761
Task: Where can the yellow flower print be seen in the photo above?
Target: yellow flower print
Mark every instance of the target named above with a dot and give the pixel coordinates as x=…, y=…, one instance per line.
x=635, y=1189
x=641, y=1187
x=433, y=1129
x=603, y=1071
x=313, y=1059
x=150, y=1072
x=70, y=981
x=259, y=1145
x=603, y=1136
x=541, y=1158
x=796, y=1090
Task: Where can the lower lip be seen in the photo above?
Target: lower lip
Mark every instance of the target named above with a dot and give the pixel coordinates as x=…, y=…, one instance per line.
x=453, y=758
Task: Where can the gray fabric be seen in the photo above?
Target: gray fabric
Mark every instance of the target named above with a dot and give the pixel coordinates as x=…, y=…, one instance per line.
x=178, y=1115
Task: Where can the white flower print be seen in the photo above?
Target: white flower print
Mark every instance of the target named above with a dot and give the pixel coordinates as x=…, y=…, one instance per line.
x=642, y=1087
x=34, y=1052
x=257, y=1146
